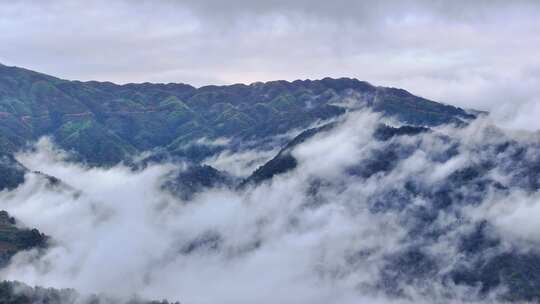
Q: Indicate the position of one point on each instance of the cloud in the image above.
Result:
(508, 212)
(324, 232)
(123, 235)
(241, 163)
(136, 239)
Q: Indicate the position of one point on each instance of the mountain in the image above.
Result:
(14, 239)
(19, 293)
(186, 182)
(11, 172)
(105, 123)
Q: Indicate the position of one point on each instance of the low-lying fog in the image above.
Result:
(116, 231)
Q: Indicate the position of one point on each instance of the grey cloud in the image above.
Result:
(479, 54)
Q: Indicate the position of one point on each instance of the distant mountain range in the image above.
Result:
(105, 123)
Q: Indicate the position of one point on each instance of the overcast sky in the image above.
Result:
(476, 54)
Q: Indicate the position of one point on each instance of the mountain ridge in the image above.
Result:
(127, 84)
(120, 120)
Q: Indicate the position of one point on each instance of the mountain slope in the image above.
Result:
(105, 123)
(19, 293)
(14, 239)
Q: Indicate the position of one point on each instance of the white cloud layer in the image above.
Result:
(280, 242)
(124, 236)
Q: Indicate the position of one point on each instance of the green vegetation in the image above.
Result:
(105, 123)
(11, 172)
(13, 239)
(19, 293)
